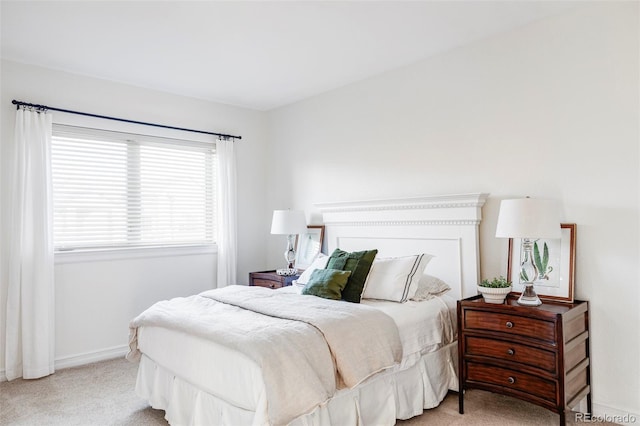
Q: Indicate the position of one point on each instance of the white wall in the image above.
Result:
(96, 300)
(548, 110)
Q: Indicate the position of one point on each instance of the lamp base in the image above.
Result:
(290, 253)
(529, 296)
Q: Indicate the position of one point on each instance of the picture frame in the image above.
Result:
(308, 245)
(557, 281)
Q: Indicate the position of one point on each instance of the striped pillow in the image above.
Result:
(395, 278)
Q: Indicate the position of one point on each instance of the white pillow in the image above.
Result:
(395, 278)
(320, 262)
(430, 286)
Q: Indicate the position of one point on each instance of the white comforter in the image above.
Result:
(294, 339)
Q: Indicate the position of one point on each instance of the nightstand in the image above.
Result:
(538, 354)
(270, 279)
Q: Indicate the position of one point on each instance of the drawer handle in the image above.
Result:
(272, 286)
(509, 324)
(511, 380)
(510, 351)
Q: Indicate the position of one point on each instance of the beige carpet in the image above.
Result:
(103, 394)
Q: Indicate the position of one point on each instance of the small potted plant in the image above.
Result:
(495, 290)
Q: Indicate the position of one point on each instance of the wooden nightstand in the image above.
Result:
(538, 354)
(270, 279)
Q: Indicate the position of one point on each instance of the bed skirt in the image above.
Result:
(380, 400)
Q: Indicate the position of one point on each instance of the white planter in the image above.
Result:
(494, 295)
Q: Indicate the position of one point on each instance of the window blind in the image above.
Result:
(113, 189)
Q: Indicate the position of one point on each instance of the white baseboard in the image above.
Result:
(83, 359)
(614, 415)
(90, 357)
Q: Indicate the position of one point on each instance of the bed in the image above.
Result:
(199, 378)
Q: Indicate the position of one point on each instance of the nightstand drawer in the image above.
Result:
(509, 351)
(512, 380)
(266, 283)
(270, 279)
(510, 324)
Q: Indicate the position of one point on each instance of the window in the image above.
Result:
(115, 190)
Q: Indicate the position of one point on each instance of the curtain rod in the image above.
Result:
(45, 107)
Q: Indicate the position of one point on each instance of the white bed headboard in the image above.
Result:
(446, 226)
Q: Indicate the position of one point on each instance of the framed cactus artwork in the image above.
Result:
(555, 262)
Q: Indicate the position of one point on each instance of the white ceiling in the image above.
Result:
(259, 55)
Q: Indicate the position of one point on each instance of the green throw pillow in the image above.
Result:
(327, 283)
(359, 263)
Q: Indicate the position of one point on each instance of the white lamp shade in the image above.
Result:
(288, 222)
(528, 218)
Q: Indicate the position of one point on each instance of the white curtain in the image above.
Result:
(227, 229)
(30, 287)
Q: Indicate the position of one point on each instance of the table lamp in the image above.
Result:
(529, 219)
(289, 223)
